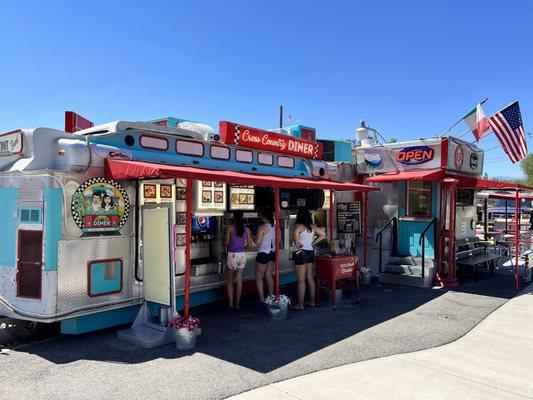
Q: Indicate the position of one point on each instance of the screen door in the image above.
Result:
(156, 255)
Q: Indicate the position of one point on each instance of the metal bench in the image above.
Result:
(471, 254)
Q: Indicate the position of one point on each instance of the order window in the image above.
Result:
(418, 199)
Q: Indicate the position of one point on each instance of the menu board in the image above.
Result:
(241, 197)
(210, 195)
(349, 217)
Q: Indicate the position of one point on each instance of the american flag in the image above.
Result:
(508, 127)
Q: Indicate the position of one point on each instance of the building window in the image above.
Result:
(265, 159)
(285, 162)
(190, 148)
(104, 277)
(244, 156)
(30, 216)
(220, 152)
(154, 142)
(418, 199)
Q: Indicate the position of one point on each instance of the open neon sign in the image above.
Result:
(415, 155)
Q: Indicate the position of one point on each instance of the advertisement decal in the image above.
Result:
(100, 205)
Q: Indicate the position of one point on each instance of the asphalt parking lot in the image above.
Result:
(241, 351)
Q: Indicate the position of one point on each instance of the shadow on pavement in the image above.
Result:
(248, 338)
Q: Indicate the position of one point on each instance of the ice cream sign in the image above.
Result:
(100, 205)
(259, 139)
(11, 143)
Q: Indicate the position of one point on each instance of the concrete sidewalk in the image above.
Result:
(493, 361)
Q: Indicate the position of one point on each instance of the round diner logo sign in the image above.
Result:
(100, 205)
(474, 161)
(459, 157)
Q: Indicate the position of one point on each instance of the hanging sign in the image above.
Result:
(349, 217)
(100, 205)
(259, 139)
(11, 143)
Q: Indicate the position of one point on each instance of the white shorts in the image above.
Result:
(236, 260)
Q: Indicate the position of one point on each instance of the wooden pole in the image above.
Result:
(277, 218)
(188, 213)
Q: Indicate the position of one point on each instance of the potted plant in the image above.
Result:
(185, 330)
(278, 306)
(366, 275)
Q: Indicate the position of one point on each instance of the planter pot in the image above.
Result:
(338, 296)
(366, 277)
(276, 312)
(185, 339)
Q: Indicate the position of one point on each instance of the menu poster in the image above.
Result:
(241, 197)
(210, 196)
(349, 217)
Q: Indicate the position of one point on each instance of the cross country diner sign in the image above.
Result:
(253, 138)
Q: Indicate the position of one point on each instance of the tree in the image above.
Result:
(527, 167)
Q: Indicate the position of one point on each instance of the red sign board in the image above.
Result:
(259, 139)
(75, 122)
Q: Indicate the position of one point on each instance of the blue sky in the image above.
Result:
(409, 68)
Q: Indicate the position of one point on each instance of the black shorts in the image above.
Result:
(265, 258)
(303, 257)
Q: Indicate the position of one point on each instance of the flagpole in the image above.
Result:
(457, 123)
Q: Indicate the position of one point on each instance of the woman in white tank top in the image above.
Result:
(305, 236)
(266, 256)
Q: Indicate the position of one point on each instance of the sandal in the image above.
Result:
(297, 308)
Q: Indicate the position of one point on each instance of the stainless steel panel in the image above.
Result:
(74, 256)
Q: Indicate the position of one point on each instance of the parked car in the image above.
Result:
(498, 208)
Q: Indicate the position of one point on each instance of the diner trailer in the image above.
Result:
(98, 222)
(423, 226)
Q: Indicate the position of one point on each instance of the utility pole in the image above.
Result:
(280, 117)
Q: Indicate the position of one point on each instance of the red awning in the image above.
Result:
(124, 169)
(438, 174)
(435, 174)
(472, 182)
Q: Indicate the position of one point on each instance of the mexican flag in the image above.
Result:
(477, 122)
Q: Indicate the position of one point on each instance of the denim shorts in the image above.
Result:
(303, 257)
(264, 258)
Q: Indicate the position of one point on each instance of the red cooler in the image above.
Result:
(336, 268)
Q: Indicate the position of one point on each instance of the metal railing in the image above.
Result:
(393, 223)
(422, 242)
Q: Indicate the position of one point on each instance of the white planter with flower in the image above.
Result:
(185, 331)
(278, 306)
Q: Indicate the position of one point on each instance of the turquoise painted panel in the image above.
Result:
(100, 283)
(53, 214)
(101, 320)
(8, 224)
(409, 231)
(343, 151)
